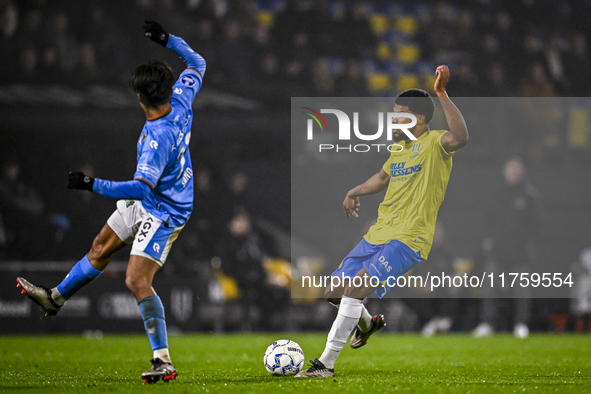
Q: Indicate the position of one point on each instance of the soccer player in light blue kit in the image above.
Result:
(154, 206)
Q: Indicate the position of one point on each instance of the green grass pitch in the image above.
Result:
(233, 364)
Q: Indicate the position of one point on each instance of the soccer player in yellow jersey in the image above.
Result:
(416, 178)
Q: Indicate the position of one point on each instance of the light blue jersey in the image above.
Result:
(163, 159)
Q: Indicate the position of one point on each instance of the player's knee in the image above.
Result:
(136, 283)
(332, 296)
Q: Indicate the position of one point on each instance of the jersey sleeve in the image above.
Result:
(445, 154)
(186, 87)
(190, 80)
(153, 157)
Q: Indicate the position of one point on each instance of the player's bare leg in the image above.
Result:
(139, 277)
(105, 244)
(350, 311)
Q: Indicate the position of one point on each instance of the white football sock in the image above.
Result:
(57, 297)
(365, 320)
(163, 355)
(347, 319)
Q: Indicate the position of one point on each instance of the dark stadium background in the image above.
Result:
(65, 104)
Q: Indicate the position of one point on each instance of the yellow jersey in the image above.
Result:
(419, 174)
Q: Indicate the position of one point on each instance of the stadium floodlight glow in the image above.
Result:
(345, 124)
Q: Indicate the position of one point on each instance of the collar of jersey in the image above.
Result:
(411, 142)
(160, 116)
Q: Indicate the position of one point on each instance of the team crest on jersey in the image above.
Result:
(188, 80)
(416, 148)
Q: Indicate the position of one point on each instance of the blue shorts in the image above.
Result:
(381, 261)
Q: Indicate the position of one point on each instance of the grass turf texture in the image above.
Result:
(234, 363)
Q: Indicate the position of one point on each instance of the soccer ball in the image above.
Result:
(283, 358)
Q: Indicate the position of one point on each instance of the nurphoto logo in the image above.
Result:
(344, 130)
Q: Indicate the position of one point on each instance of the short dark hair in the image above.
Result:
(154, 82)
(418, 101)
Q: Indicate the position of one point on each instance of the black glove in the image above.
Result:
(155, 32)
(77, 180)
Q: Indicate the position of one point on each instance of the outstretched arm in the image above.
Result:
(458, 132)
(134, 189)
(373, 185)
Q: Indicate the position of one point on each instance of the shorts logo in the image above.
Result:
(129, 203)
(144, 230)
(153, 144)
(386, 265)
(156, 248)
(188, 80)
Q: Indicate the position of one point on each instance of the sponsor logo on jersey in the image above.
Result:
(400, 169)
(188, 80)
(178, 90)
(153, 144)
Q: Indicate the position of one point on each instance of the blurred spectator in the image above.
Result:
(207, 46)
(87, 71)
(22, 212)
(208, 218)
(444, 308)
(554, 62)
(356, 38)
(49, 65)
(234, 45)
(353, 83)
(323, 77)
(28, 65)
(8, 19)
(536, 83)
(466, 82)
(494, 83)
(294, 18)
(512, 221)
(243, 12)
(86, 213)
(241, 253)
(577, 62)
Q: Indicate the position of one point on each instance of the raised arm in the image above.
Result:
(458, 132)
(193, 60)
(373, 185)
(155, 32)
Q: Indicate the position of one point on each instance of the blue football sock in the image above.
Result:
(153, 315)
(81, 274)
